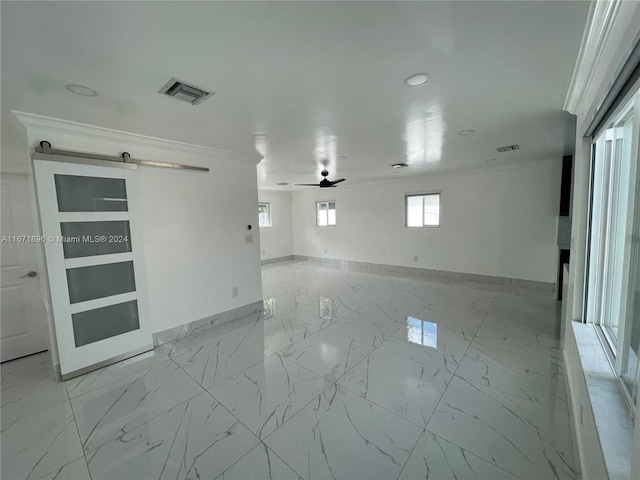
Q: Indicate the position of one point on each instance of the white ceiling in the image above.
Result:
(321, 79)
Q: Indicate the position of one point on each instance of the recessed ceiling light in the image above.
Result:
(399, 165)
(81, 90)
(417, 79)
(283, 183)
(260, 136)
(466, 132)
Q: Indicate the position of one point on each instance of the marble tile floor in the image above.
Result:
(345, 375)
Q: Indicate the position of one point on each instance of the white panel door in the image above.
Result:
(23, 326)
(95, 263)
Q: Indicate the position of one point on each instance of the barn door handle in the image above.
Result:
(30, 274)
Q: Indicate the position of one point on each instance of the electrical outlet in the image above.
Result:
(235, 291)
(248, 238)
(415, 258)
(325, 250)
(264, 252)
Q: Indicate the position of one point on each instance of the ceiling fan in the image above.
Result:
(324, 183)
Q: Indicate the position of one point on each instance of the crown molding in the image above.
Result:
(42, 124)
(15, 168)
(600, 22)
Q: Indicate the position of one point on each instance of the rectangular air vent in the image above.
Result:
(399, 165)
(508, 148)
(187, 93)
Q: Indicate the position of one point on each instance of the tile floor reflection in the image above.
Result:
(422, 332)
(345, 375)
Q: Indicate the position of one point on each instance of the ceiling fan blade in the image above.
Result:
(337, 181)
(306, 184)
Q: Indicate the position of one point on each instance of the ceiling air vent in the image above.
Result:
(187, 93)
(399, 165)
(508, 148)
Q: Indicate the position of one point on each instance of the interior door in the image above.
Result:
(23, 327)
(94, 262)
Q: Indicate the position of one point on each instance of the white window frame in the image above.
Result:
(268, 215)
(422, 194)
(600, 306)
(317, 211)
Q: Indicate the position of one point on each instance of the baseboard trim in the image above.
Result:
(105, 363)
(57, 372)
(278, 259)
(385, 269)
(176, 333)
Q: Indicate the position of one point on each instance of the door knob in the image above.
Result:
(30, 274)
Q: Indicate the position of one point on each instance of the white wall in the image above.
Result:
(276, 241)
(194, 227)
(499, 222)
(193, 223)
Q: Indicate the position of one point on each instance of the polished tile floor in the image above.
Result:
(345, 375)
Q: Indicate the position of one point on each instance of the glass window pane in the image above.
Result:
(264, 215)
(90, 194)
(84, 239)
(630, 372)
(332, 214)
(89, 283)
(432, 209)
(322, 214)
(630, 367)
(414, 211)
(600, 194)
(106, 322)
(616, 236)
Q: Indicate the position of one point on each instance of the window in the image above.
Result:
(326, 213)
(613, 292)
(423, 210)
(264, 215)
